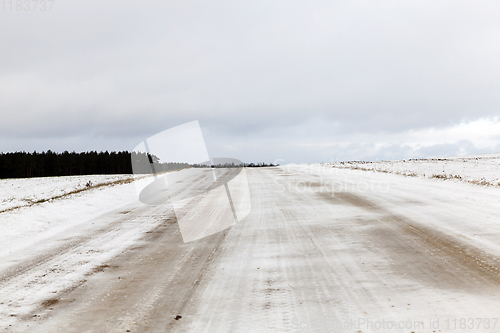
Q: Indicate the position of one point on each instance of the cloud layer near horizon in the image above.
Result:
(293, 80)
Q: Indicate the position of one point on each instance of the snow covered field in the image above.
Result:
(477, 169)
(36, 207)
(41, 213)
(25, 192)
(324, 249)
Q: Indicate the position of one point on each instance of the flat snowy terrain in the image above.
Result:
(478, 169)
(325, 248)
(25, 192)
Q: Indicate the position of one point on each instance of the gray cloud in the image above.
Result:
(268, 74)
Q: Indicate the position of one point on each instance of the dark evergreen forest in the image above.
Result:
(48, 164)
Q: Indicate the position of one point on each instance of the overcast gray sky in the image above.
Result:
(300, 81)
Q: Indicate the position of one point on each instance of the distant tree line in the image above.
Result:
(49, 164)
(234, 165)
(259, 165)
(144, 163)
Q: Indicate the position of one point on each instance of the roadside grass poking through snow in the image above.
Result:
(476, 170)
(87, 187)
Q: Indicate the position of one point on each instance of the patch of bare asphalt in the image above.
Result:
(343, 198)
(424, 254)
(70, 244)
(443, 260)
(144, 289)
(66, 245)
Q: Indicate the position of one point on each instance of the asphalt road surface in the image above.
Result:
(318, 252)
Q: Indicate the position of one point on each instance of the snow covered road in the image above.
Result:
(322, 250)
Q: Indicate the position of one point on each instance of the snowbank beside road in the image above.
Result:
(36, 208)
(50, 246)
(27, 191)
(478, 169)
